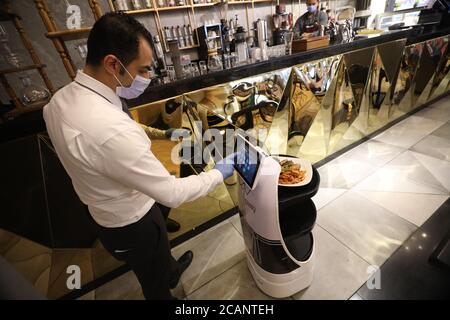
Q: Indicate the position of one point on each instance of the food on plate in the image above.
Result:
(291, 173)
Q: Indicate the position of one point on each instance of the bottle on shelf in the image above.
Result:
(161, 3)
(167, 34)
(136, 4)
(191, 36)
(148, 4)
(181, 42)
(11, 57)
(121, 5)
(159, 52)
(173, 35)
(32, 95)
(187, 39)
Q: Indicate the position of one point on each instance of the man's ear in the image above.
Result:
(111, 65)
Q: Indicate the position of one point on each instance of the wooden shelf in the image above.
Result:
(174, 8)
(140, 11)
(240, 2)
(190, 47)
(24, 68)
(256, 1)
(68, 34)
(200, 5)
(184, 48)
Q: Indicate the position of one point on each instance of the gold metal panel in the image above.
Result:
(315, 146)
(442, 77)
(402, 100)
(357, 66)
(391, 54)
(432, 56)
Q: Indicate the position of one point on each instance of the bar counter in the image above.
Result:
(160, 92)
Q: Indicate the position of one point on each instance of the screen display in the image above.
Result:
(247, 162)
(409, 4)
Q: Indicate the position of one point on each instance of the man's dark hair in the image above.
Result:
(118, 34)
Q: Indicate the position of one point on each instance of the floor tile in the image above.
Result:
(235, 283)
(236, 222)
(412, 273)
(403, 174)
(368, 229)
(88, 296)
(414, 207)
(443, 131)
(356, 297)
(124, 287)
(215, 250)
(344, 173)
(434, 146)
(373, 152)
(325, 196)
(435, 112)
(338, 271)
(408, 132)
(439, 169)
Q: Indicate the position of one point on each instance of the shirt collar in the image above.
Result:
(98, 87)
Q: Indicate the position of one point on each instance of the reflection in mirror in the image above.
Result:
(358, 64)
(391, 55)
(315, 145)
(402, 100)
(379, 93)
(442, 77)
(345, 109)
(431, 57)
(304, 107)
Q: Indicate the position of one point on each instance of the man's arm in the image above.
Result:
(127, 159)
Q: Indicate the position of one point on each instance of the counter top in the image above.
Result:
(180, 87)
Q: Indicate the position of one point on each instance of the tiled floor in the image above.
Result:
(371, 200)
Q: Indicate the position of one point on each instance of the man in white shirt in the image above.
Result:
(108, 156)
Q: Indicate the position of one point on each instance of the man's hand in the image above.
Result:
(226, 166)
(177, 133)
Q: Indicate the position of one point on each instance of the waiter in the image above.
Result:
(107, 155)
(309, 23)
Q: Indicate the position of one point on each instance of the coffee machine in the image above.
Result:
(282, 23)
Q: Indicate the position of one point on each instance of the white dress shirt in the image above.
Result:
(107, 155)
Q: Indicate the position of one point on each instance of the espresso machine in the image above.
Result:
(282, 23)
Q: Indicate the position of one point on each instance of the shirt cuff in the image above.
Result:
(217, 175)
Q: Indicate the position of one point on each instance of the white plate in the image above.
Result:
(304, 165)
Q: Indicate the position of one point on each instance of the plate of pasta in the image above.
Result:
(295, 172)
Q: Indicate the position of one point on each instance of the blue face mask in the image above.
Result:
(312, 8)
(136, 88)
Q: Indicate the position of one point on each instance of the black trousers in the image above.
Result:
(144, 246)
